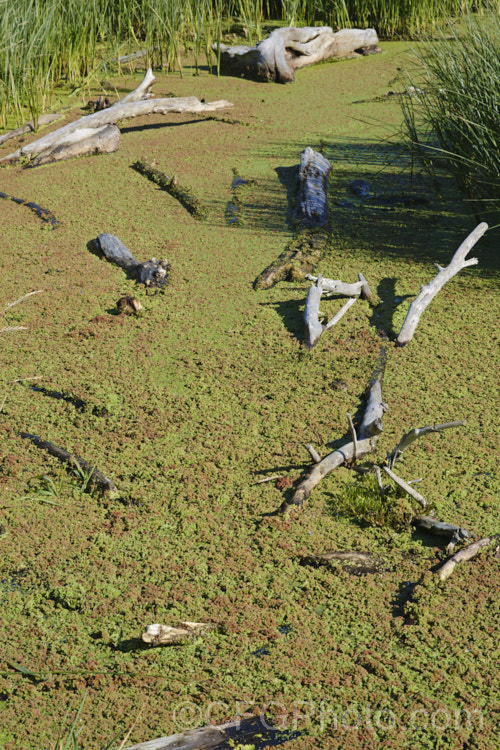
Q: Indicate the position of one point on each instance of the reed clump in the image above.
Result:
(452, 117)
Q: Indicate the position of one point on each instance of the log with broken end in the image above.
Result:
(465, 554)
(343, 289)
(311, 206)
(366, 443)
(427, 293)
(162, 635)
(135, 104)
(153, 274)
(314, 328)
(97, 477)
(279, 55)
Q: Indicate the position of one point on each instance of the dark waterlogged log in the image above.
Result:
(171, 185)
(138, 102)
(97, 477)
(153, 273)
(43, 213)
(221, 737)
(278, 56)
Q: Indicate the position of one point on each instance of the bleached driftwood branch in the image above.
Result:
(366, 443)
(279, 55)
(29, 127)
(410, 437)
(82, 131)
(406, 487)
(152, 274)
(465, 554)
(162, 635)
(314, 328)
(427, 293)
(342, 289)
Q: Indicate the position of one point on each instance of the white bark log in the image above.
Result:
(427, 293)
(314, 328)
(371, 424)
(85, 142)
(276, 57)
(311, 209)
(125, 108)
(29, 127)
(335, 286)
(468, 553)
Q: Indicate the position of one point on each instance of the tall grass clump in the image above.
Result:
(453, 121)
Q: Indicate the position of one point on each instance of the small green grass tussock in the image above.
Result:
(362, 502)
(452, 121)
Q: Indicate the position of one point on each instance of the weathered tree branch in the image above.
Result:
(314, 328)
(311, 207)
(427, 293)
(465, 554)
(406, 487)
(410, 437)
(366, 443)
(29, 127)
(135, 104)
(153, 273)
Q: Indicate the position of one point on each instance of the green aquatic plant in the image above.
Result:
(362, 501)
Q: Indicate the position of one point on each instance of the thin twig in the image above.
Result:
(354, 437)
(314, 453)
(267, 479)
(376, 469)
(406, 487)
(25, 296)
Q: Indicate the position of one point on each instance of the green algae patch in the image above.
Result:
(188, 406)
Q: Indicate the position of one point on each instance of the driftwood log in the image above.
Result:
(309, 215)
(410, 437)
(366, 442)
(278, 56)
(465, 554)
(427, 293)
(98, 131)
(162, 635)
(313, 326)
(97, 477)
(153, 274)
(29, 127)
(185, 197)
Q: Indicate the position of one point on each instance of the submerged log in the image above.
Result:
(135, 104)
(153, 273)
(97, 477)
(427, 293)
(190, 202)
(278, 56)
(299, 258)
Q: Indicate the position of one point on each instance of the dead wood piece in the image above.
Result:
(311, 208)
(366, 443)
(278, 56)
(162, 635)
(314, 328)
(153, 274)
(406, 487)
(135, 104)
(410, 437)
(231, 734)
(465, 554)
(190, 202)
(97, 105)
(43, 213)
(300, 257)
(448, 530)
(352, 562)
(29, 127)
(371, 424)
(313, 453)
(97, 477)
(128, 305)
(427, 293)
(83, 142)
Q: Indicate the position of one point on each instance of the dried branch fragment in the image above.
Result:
(335, 286)
(29, 127)
(161, 635)
(311, 208)
(410, 437)
(465, 554)
(449, 530)
(353, 562)
(406, 487)
(190, 202)
(97, 476)
(135, 104)
(300, 257)
(366, 443)
(427, 293)
(314, 328)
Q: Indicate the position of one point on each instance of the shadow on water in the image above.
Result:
(291, 312)
(382, 316)
(405, 216)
